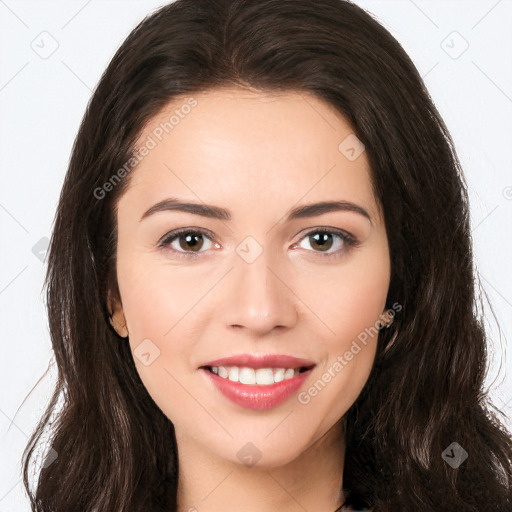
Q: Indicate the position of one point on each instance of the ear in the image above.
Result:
(117, 318)
(386, 318)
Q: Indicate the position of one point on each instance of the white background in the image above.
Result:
(42, 101)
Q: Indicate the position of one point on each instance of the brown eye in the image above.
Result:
(191, 241)
(322, 241)
(186, 242)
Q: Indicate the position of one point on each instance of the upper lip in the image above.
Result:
(262, 361)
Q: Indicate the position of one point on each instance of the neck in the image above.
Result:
(311, 481)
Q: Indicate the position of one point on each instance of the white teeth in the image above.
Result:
(279, 375)
(233, 374)
(261, 376)
(264, 376)
(247, 376)
(288, 374)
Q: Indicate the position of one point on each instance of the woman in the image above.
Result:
(321, 353)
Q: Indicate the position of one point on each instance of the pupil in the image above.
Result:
(322, 240)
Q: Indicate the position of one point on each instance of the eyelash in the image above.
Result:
(166, 241)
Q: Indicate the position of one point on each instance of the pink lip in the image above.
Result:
(262, 361)
(257, 396)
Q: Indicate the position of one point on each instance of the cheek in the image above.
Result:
(349, 297)
(157, 299)
(159, 310)
(348, 304)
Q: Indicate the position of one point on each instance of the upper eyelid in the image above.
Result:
(173, 234)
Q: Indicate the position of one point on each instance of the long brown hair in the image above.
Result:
(113, 448)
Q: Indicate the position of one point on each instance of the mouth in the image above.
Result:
(256, 388)
(247, 375)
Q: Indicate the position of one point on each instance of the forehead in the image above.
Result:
(234, 143)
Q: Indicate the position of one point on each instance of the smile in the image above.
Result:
(260, 376)
(259, 389)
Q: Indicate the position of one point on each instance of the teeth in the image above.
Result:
(261, 376)
(247, 376)
(279, 374)
(264, 376)
(288, 374)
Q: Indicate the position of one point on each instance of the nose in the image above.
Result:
(257, 298)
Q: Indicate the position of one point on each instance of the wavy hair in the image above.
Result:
(113, 448)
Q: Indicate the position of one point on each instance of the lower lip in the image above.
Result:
(257, 396)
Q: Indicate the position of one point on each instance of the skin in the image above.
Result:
(258, 155)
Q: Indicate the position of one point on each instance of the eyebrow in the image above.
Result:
(216, 212)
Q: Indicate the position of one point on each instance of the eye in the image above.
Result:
(322, 240)
(187, 241)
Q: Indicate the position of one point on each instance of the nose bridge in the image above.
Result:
(258, 299)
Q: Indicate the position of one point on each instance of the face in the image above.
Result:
(259, 279)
